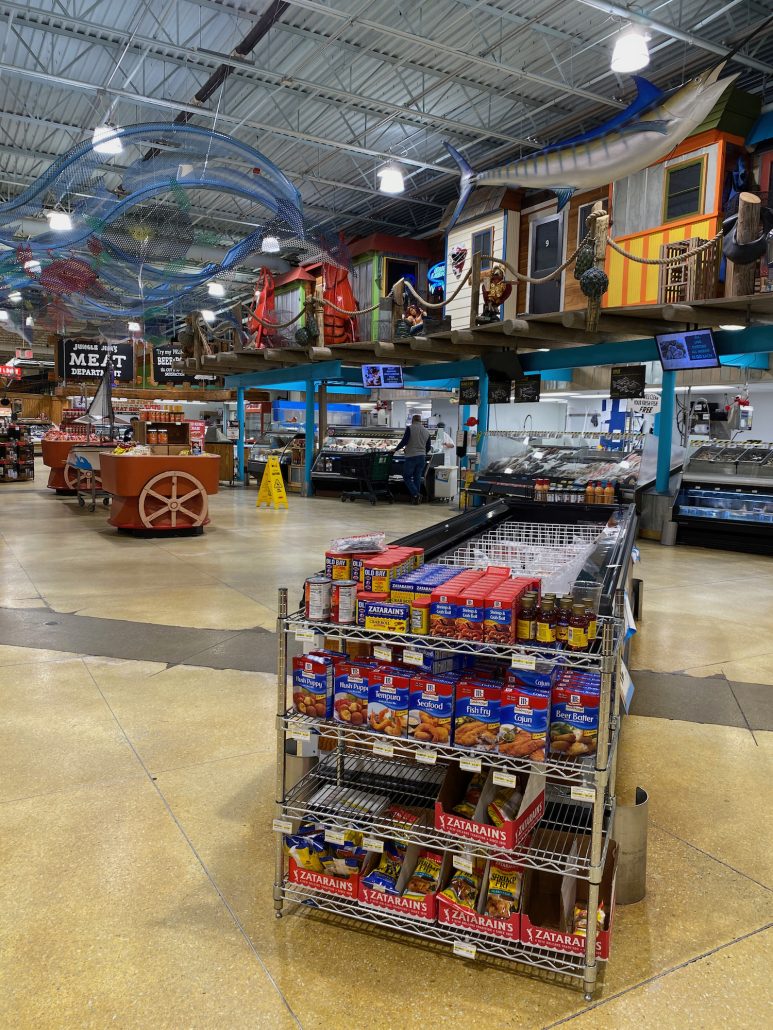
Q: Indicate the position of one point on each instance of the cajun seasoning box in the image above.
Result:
(524, 714)
(389, 694)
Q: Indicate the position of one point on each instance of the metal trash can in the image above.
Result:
(668, 534)
(630, 832)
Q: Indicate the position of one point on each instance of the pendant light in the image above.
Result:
(390, 179)
(59, 221)
(105, 140)
(631, 52)
(216, 289)
(270, 245)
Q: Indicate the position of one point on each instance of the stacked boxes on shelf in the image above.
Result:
(17, 453)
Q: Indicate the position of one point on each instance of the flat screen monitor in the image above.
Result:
(694, 349)
(388, 377)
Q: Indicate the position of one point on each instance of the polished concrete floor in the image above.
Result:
(137, 780)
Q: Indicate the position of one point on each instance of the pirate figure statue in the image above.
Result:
(495, 293)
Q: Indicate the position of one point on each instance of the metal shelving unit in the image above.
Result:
(580, 794)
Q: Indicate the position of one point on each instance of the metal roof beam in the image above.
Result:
(114, 39)
(640, 17)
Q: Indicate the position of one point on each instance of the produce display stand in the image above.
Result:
(580, 797)
(160, 492)
(61, 477)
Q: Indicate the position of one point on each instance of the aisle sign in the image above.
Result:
(627, 382)
(526, 390)
(646, 405)
(272, 487)
(86, 359)
(10, 371)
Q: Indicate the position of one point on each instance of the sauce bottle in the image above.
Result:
(562, 625)
(578, 629)
(609, 494)
(546, 622)
(598, 494)
(590, 494)
(526, 623)
(591, 624)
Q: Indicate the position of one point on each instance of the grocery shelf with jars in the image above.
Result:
(17, 454)
(447, 741)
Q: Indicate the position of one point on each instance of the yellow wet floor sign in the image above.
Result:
(272, 488)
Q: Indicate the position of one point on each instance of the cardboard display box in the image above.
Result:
(340, 886)
(506, 928)
(513, 832)
(414, 908)
(549, 899)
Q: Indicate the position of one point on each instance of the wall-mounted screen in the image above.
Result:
(694, 349)
(387, 377)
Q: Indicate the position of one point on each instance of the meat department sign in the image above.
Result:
(86, 359)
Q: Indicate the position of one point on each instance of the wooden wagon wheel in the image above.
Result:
(71, 478)
(161, 496)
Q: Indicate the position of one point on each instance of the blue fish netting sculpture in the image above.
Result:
(135, 236)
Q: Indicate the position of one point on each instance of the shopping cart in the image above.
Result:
(371, 471)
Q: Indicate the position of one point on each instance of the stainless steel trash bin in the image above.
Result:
(630, 832)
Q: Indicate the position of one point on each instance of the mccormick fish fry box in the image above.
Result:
(340, 886)
(410, 898)
(554, 912)
(496, 912)
(491, 814)
(476, 713)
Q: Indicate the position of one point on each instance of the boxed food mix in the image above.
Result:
(420, 582)
(476, 713)
(363, 596)
(501, 609)
(445, 600)
(388, 701)
(388, 616)
(471, 610)
(404, 879)
(524, 713)
(431, 711)
(479, 807)
(485, 898)
(322, 866)
(313, 679)
(554, 913)
(574, 713)
(350, 694)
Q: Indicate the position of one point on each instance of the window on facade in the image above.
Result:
(684, 190)
(483, 243)
(582, 217)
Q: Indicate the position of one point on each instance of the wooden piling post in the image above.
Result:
(739, 279)
(475, 288)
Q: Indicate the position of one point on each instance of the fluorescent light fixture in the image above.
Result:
(59, 221)
(631, 52)
(105, 141)
(270, 245)
(732, 328)
(542, 350)
(208, 316)
(134, 327)
(30, 321)
(216, 289)
(390, 179)
(32, 265)
(3, 316)
(14, 297)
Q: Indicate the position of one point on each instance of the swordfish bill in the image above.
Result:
(645, 132)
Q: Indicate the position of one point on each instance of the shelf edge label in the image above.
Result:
(523, 661)
(504, 779)
(372, 844)
(384, 654)
(335, 836)
(282, 826)
(583, 794)
(426, 757)
(470, 764)
(384, 748)
(465, 949)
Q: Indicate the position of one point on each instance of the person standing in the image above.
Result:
(416, 441)
(445, 445)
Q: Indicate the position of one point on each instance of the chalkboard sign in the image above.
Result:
(499, 391)
(526, 390)
(86, 359)
(469, 391)
(627, 382)
(165, 364)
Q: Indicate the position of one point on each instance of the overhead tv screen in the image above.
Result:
(388, 377)
(694, 349)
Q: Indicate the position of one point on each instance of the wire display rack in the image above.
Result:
(353, 786)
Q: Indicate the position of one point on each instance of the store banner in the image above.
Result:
(526, 390)
(469, 391)
(86, 359)
(627, 382)
(165, 359)
(499, 391)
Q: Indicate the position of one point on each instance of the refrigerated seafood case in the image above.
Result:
(592, 544)
(726, 498)
(273, 444)
(331, 470)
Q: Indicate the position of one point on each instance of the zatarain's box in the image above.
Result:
(388, 616)
(388, 701)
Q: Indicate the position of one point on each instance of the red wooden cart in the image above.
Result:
(160, 491)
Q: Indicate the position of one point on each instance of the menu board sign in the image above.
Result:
(166, 357)
(469, 391)
(86, 359)
(627, 382)
(499, 391)
(526, 390)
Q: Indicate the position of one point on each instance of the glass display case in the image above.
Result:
(273, 444)
(329, 470)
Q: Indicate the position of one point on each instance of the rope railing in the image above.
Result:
(678, 259)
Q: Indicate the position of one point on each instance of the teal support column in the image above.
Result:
(665, 431)
(483, 415)
(242, 433)
(308, 489)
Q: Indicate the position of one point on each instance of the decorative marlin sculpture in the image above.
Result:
(646, 131)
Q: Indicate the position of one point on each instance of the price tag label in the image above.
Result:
(426, 757)
(583, 794)
(470, 764)
(335, 836)
(282, 826)
(523, 661)
(384, 654)
(371, 844)
(299, 733)
(463, 862)
(306, 633)
(384, 748)
(504, 779)
(463, 949)
(413, 658)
